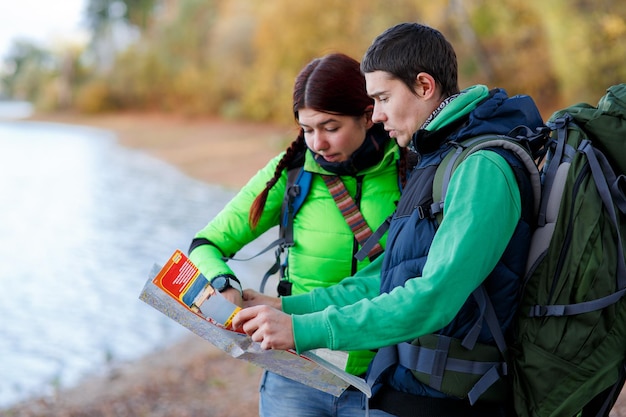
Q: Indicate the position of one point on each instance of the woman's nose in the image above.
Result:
(319, 141)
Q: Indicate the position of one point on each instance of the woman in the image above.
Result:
(337, 140)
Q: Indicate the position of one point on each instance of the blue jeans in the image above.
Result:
(283, 397)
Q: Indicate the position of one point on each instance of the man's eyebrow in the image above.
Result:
(376, 94)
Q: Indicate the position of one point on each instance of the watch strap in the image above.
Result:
(231, 282)
(237, 284)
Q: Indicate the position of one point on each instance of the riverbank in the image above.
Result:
(212, 150)
(192, 377)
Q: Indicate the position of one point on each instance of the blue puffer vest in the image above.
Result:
(412, 230)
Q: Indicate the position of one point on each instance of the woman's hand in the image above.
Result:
(254, 298)
(234, 296)
(268, 326)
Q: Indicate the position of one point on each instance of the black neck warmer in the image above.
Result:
(367, 155)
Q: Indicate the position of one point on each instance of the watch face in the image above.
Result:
(219, 283)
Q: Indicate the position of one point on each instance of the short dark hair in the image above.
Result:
(331, 84)
(407, 49)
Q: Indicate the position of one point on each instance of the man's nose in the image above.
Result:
(378, 115)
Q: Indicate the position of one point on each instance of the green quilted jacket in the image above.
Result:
(324, 248)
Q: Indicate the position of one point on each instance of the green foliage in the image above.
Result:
(30, 67)
(239, 58)
(101, 14)
(183, 39)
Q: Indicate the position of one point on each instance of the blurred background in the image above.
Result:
(238, 58)
(83, 219)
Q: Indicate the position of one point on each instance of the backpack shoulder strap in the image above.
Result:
(462, 150)
(296, 190)
(298, 186)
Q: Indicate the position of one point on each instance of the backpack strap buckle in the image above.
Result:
(538, 311)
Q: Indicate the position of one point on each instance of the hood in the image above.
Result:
(497, 113)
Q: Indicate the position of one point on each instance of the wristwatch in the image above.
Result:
(223, 282)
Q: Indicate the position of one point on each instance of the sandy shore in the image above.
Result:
(192, 378)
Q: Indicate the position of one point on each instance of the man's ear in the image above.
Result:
(425, 86)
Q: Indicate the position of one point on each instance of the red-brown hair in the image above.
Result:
(330, 84)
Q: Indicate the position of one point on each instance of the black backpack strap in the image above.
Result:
(288, 211)
(560, 152)
(273, 269)
(437, 360)
(373, 240)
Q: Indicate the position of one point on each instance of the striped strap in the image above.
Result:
(351, 213)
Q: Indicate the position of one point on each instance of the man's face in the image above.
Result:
(400, 110)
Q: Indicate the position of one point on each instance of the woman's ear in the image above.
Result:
(425, 86)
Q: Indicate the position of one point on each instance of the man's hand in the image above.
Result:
(266, 325)
(254, 298)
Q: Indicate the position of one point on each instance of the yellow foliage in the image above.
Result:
(191, 93)
(239, 58)
(614, 26)
(93, 97)
(289, 34)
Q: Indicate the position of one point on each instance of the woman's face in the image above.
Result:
(334, 137)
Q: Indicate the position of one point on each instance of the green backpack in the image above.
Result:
(567, 356)
(569, 351)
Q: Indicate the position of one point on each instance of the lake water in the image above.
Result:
(82, 221)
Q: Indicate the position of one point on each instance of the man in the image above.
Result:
(425, 294)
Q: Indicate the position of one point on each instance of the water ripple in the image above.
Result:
(82, 222)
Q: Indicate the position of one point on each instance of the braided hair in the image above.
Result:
(295, 148)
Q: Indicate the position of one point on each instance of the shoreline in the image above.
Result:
(213, 150)
(190, 376)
